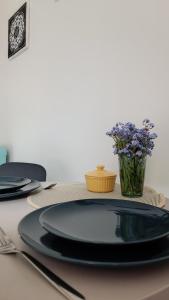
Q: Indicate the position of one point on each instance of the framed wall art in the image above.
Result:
(18, 31)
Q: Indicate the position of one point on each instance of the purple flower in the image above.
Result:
(123, 151)
(132, 141)
(147, 124)
(153, 135)
(139, 153)
(146, 121)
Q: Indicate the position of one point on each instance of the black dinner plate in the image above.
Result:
(106, 221)
(25, 190)
(48, 244)
(11, 183)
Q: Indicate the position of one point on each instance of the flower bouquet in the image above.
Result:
(132, 146)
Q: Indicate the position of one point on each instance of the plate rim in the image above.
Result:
(20, 192)
(14, 188)
(99, 264)
(58, 233)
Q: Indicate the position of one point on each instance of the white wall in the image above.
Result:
(90, 64)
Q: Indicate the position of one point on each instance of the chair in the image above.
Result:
(30, 170)
(3, 155)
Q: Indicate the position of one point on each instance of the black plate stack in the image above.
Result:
(99, 232)
(14, 187)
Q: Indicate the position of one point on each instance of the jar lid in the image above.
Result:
(100, 172)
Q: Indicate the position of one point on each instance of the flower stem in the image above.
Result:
(132, 171)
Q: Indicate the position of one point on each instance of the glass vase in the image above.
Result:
(132, 171)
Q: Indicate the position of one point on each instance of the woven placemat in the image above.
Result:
(76, 191)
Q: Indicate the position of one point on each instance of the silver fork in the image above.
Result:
(7, 246)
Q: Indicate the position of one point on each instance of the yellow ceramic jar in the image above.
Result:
(100, 180)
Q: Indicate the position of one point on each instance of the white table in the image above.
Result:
(18, 280)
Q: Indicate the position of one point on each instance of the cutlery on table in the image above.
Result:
(7, 246)
(49, 186)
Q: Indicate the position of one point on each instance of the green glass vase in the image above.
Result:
(132, 171)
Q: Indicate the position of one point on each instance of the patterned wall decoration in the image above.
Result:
(18, 31)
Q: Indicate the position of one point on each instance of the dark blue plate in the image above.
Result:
(10, 183)
(106, 221)
(48, 244)
(25, 190)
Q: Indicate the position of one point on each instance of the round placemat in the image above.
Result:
(75, 191)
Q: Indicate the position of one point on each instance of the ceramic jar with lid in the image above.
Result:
(100, 180)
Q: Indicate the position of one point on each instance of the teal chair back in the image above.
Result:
(3, 155)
